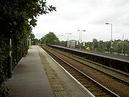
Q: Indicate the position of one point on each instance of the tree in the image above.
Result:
(17, 17)
(50, 38)
(101, 46)
(34, 40)
(121, 46)
(95, 43)
(63, 43)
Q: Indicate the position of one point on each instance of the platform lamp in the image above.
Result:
(80, 37)
(111, 36)
(68, 34)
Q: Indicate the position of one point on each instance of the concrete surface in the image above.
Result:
(71, 86)
(38, 75)
(29, 78)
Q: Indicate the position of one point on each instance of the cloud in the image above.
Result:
(119, 3)
(90, 15)
(111, 13)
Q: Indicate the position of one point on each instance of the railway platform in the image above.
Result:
(38, 75)
(29, 79)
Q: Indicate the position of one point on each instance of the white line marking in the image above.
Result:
(91, 95)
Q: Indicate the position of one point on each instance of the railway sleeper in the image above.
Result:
(82, 80)
(94, 90)
(100, 94)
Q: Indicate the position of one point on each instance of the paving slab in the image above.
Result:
(29, 78)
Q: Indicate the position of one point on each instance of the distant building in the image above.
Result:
(84, 43)
(71, 43)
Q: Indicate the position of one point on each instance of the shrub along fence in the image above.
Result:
(11, 51)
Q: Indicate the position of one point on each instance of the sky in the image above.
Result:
(74, 16)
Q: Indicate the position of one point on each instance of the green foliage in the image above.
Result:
(4, 91)
(89, 44)
(63, 43)
(2, 77)
(17, 17)
(16, 21)
(121, 46)
(95, 43)
(101, 46)
(50, 38)
(32, 36)
(107, 46)
(118, 46)
(34, 41)
(3, 66)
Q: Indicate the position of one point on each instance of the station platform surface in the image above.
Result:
(116, 56)
(38, 75)
(29, 79)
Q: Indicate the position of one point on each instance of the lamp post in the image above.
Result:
(80, 37)
(111, 36)
(122, 50)
(68, 38)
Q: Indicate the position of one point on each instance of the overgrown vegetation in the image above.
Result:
(118, 46)
(17, 17)
(50, 38)
(34, 41)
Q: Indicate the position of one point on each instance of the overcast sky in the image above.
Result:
(89, 15)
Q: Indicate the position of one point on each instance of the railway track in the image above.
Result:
(113, 62)
(116, 74)
(93, 86)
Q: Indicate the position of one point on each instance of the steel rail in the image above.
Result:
(100, 85)
(112, 69)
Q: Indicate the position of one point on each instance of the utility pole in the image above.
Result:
(122, 50)
(68, 38)
(111, 37)
(80, 37)
(10, 58)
